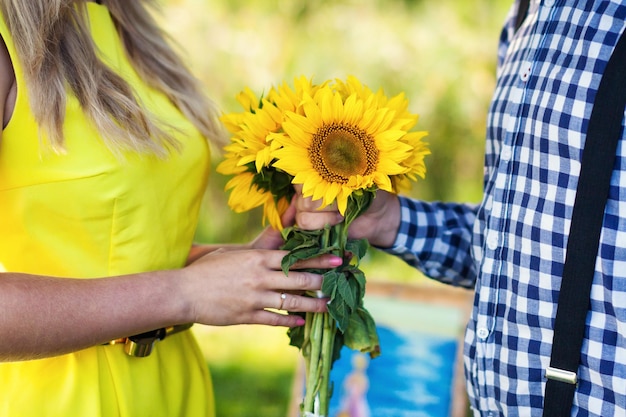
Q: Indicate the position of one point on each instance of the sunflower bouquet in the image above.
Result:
(341, 142)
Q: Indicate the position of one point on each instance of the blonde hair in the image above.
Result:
(53, 43)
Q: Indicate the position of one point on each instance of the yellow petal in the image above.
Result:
(300, 122)
(248, 100)
(383, 182)
(291, 160)
(326, 103)
(390, 167)
(312, 112)
(342, 202)
(337, 108)
(353, 110)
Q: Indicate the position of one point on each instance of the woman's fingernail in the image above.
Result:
(300, 321)
(336, 261)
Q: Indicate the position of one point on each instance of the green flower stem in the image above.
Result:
(328, 339)
(306, 345)
(314, 368)
(319, 338)
(325, 238)
(330, 328)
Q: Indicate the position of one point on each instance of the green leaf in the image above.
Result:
(338, 235)
(340, 311)
(358, 248)
(296, 236)
(346, 291)
(302, 253)
(271, 179)
(358, 202)
(329, 284)
(304, 244)
(361, 333)
(295, 256)
(296, 336)
(295, 244)
(357, 276)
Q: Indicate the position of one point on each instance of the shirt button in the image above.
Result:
(525, 72)
(492, 240)
(549, 3)
(482, 333)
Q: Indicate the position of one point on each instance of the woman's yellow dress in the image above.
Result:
(87, 214)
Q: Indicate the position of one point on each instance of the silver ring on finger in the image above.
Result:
(283, 297)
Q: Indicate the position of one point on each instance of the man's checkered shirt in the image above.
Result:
(511, 247)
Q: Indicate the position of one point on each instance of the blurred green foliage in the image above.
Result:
(441, 54)
(252, 368)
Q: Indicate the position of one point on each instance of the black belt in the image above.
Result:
(140, 345)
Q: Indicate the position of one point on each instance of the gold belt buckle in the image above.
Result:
(141, 345)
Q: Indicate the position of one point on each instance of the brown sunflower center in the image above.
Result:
(341, 151)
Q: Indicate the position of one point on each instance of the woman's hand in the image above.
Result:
(269, 238)
(239, 286)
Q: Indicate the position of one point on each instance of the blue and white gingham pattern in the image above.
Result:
(513, 245)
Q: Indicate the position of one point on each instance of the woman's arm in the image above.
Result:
(45, 316)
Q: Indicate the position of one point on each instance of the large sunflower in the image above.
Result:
(348, 139)
(248, 157)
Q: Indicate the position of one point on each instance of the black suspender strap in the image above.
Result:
(603, 133)
(522, 11)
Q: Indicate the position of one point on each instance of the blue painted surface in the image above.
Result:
(412, 378)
